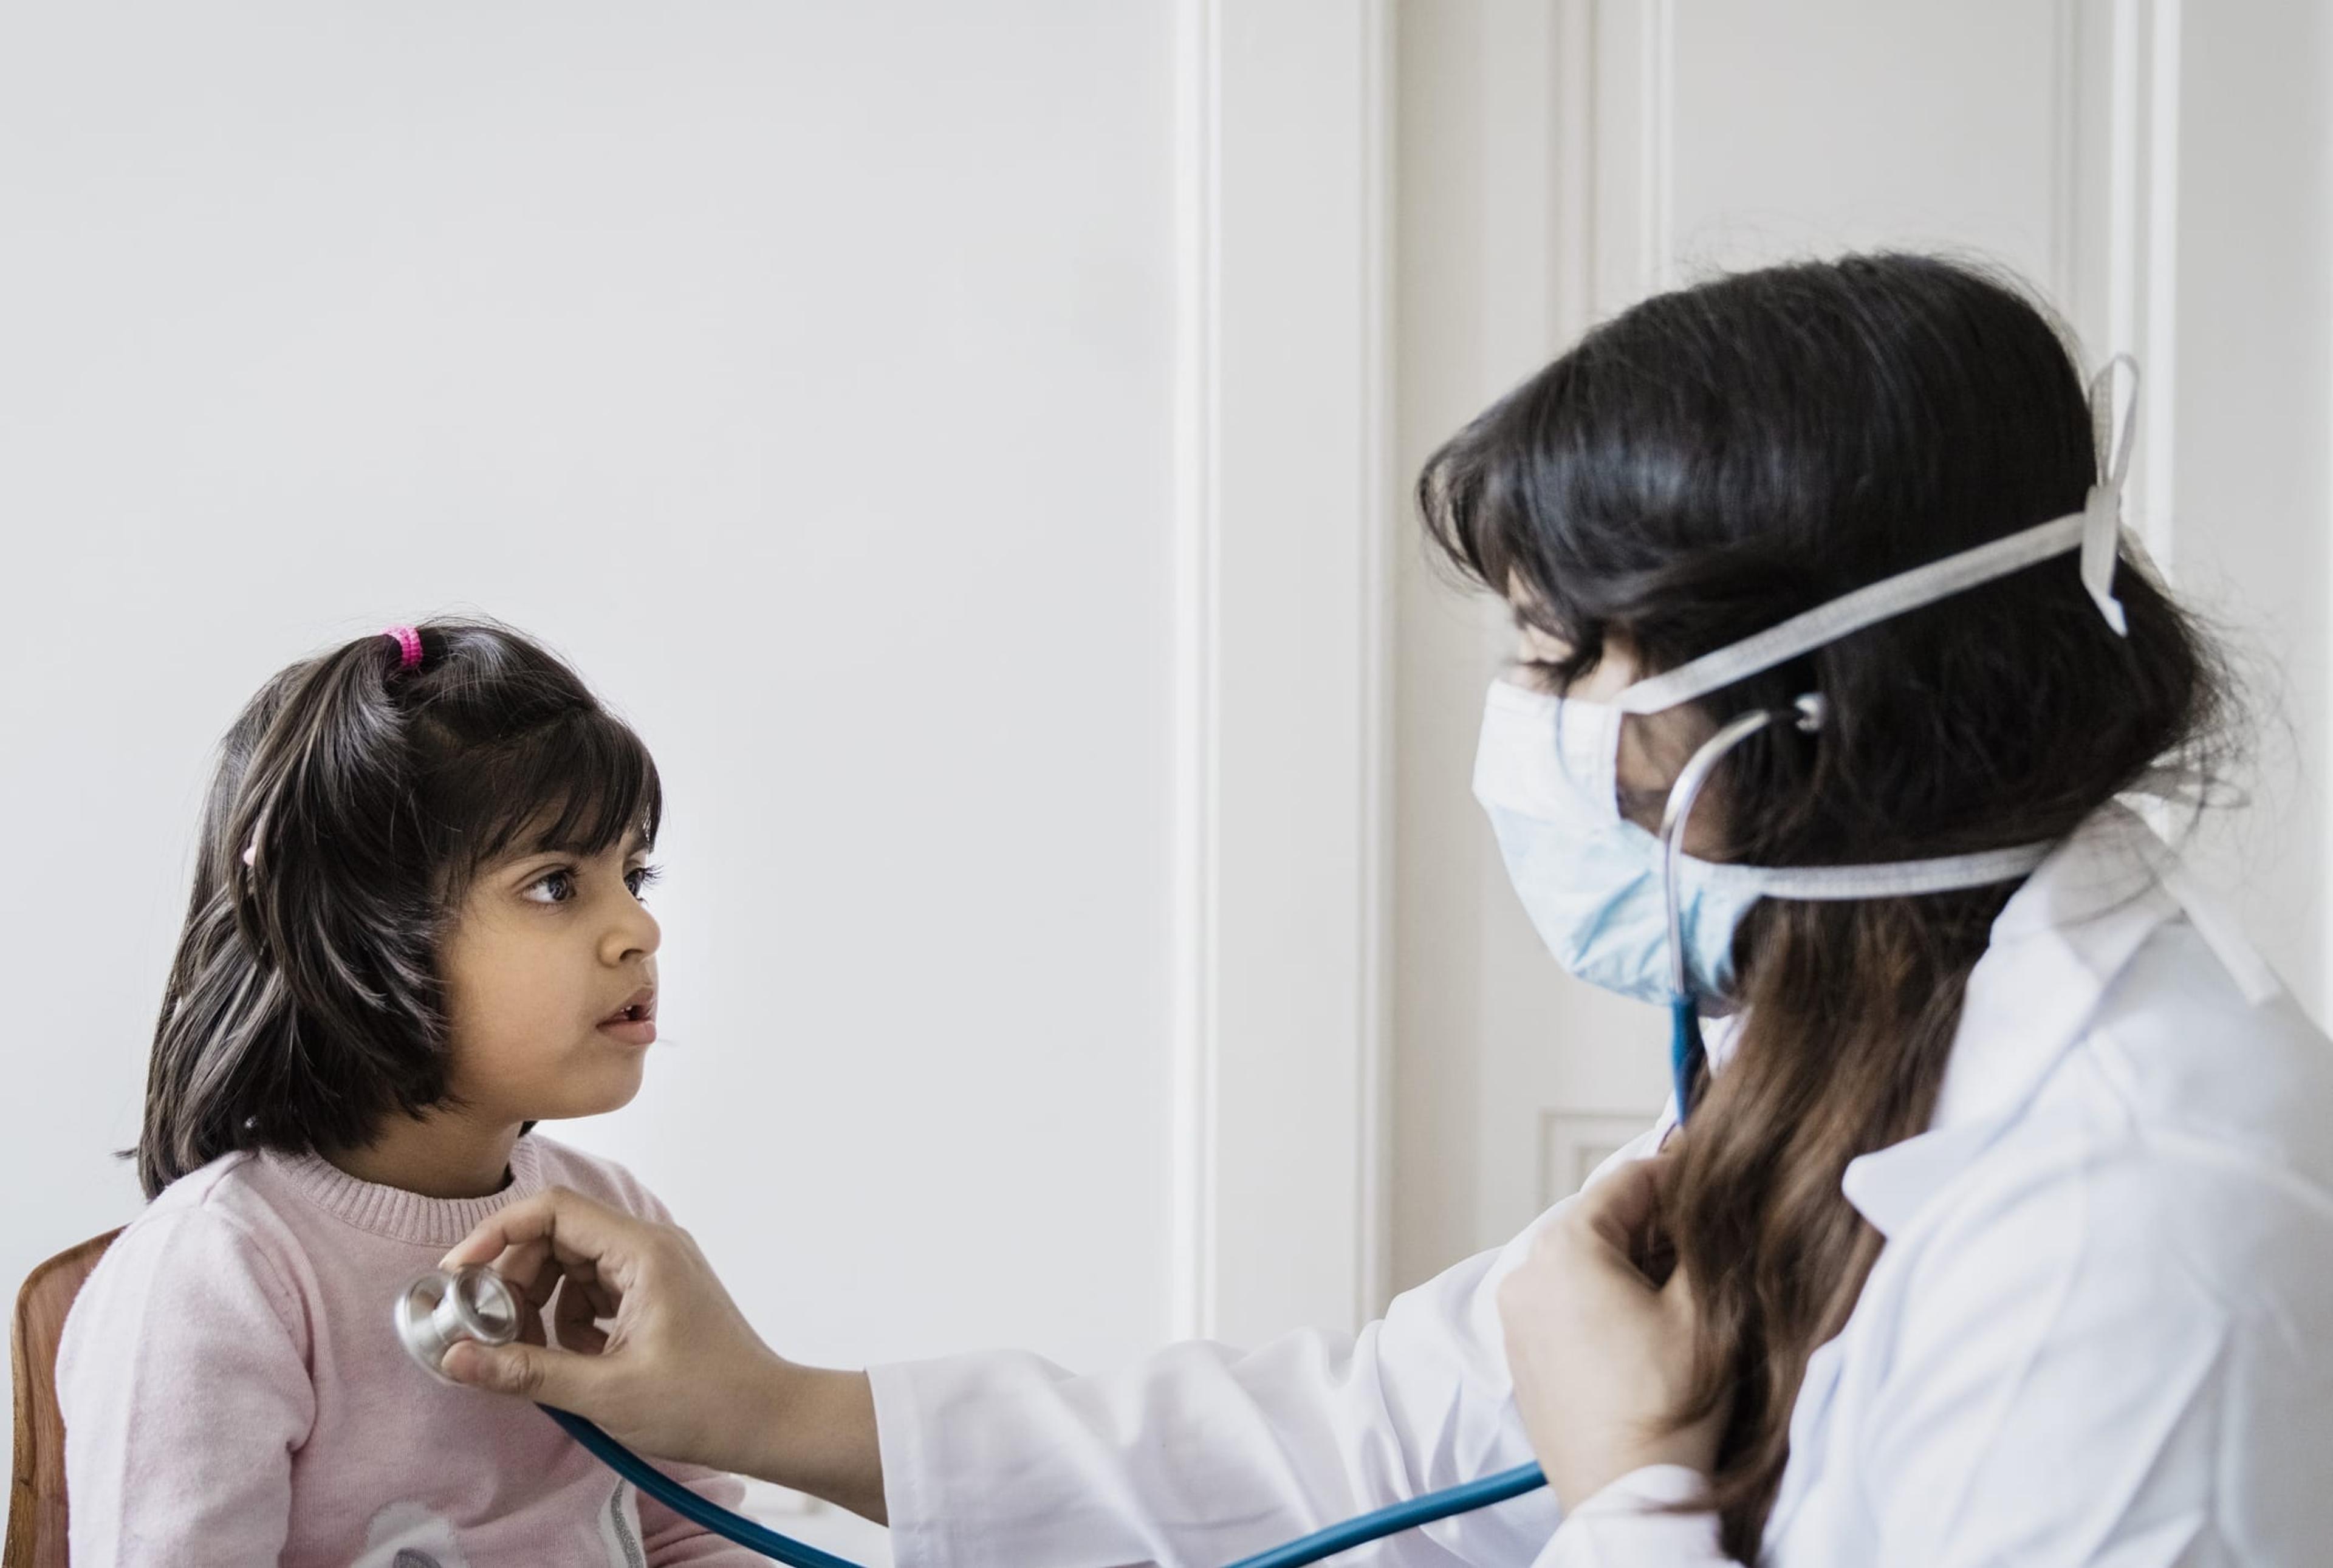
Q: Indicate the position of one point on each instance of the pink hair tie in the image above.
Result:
(409, 646)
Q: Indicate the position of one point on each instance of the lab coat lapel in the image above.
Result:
(2058, 943)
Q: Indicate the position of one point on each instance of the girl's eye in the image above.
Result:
(641, 879)
(550, 888)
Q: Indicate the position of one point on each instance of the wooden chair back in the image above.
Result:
(37, 1494)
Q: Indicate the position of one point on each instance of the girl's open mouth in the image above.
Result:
(634, 1023)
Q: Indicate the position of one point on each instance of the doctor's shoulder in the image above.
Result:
(2186, 1069)
(2158, 1216)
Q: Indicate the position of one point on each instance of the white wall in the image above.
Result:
(2161, 171)
(971, 442)
(888, 408)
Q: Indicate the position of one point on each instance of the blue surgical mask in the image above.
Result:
(1591, 879)
(1599, 889)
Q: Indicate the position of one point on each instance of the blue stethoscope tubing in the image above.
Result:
(654, 1483)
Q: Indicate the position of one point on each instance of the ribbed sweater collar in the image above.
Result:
(399, 1214)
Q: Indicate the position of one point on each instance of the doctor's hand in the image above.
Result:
(681, 1374)
(1599, 1332)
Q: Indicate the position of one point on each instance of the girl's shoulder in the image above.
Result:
(595, 1176)
(211, 1244)
(230, 1203)
(233, 1198)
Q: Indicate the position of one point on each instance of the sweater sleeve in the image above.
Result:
(183, 1376)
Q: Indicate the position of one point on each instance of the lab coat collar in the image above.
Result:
(2056, 945)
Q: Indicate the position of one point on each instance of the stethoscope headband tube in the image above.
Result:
(1684, 1014)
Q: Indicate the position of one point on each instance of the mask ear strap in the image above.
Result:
(2102, 511)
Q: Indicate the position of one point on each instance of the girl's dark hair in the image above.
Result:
(1717, 459)
(305, 1002)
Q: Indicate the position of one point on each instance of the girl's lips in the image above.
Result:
(634, 1023)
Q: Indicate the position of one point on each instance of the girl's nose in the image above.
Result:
(634, 934)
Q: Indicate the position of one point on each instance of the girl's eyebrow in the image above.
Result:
(631, 845)
(523, 861)
(537, 857)
(635, 841)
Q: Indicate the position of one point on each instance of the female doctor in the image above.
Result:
(1999, 1226)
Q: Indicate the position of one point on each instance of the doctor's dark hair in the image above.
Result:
(305, 1004)
(1719, 458)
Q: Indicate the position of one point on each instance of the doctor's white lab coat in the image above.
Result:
(2100, 1333)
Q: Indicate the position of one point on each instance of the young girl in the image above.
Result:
(416, 930)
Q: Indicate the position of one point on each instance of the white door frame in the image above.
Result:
(1284, 510)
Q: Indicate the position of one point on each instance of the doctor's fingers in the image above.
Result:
(552, 1377)
(576, 1313)
(535, 1273)
(1623, 1211)
(562, 1233)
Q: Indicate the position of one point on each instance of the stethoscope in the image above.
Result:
(1686, 1049)
(442, 1309)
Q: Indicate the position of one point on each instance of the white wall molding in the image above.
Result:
(1656, 112)
(2142, 229)
(1572, 120)
(2240, 137)
(2065, 151)
(1379, 524)
(1198, 511)
(1284, 509)
(1615, 156)
(2164, 64)
(2119, 214)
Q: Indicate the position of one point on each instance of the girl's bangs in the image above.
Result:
(579, 785)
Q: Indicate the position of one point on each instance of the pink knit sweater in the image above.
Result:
(234, 1392)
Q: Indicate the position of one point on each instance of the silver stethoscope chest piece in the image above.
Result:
(440, 1310)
